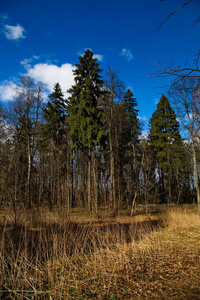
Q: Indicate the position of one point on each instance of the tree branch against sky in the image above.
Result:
(172, 13)
(43, 51)
(169, 69)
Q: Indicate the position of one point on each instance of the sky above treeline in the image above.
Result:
(43, 39)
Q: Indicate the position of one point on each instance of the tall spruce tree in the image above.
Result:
(166, 141)
(131, 132)
(54, 114)
(53, 134)
(86, 119)
(130, 105)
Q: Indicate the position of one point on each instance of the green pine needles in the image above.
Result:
(86, 118)
(54, 114)
(167, 146)
(164, 128)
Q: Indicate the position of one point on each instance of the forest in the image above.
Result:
(93, 204)
(86, 151)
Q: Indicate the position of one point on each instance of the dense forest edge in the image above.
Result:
(91, 208)
(88, 152)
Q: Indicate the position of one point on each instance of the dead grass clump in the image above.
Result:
(182, 217)
(94, 261)
(164, 265)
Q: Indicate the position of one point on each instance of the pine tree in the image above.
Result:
(132, 115)
(86, 119)
(54, 114)
(53, 143)
(131, 132)
(166, 141)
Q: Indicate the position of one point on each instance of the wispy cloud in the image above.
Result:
(98, 56)
(127, 54)
(7, 90)
(143, 118)
(3, 16)
(27, 61)
(14, 32)
(11, 32)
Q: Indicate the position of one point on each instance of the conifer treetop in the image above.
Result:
(86, 118)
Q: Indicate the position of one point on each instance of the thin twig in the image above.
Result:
(170, 71)
(174, 12)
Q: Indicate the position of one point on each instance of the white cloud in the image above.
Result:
(46, 73)
(7, 91)
(144, 134)
(127, 54)
(98, 56)
(50, 74)
(14, 32)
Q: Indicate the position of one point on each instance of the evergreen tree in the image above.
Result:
(131, 132)
(54, 114)
(86, 119)
(164, 129)
(53, 143)
(132, 115)
(166, 141)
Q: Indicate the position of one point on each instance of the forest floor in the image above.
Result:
(50, 256)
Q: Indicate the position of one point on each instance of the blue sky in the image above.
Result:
(44, 39)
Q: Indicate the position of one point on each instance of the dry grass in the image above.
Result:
(116, 259)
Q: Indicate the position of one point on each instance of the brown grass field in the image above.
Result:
(49, 255)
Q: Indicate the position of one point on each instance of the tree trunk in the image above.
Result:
(196, 174)
(169, 179)
(112, 172)
(95, 176)
(89, 183)
(136, 191)
(28, 196)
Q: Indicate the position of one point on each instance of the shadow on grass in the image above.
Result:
(52, 240)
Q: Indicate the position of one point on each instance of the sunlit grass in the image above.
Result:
(105, 259)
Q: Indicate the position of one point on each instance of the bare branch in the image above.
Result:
(197, 60)
(168, 69)
(197, 21)
(174, 12)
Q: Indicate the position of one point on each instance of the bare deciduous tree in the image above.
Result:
(186, 95)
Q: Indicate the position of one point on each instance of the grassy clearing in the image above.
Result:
(57, 258)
